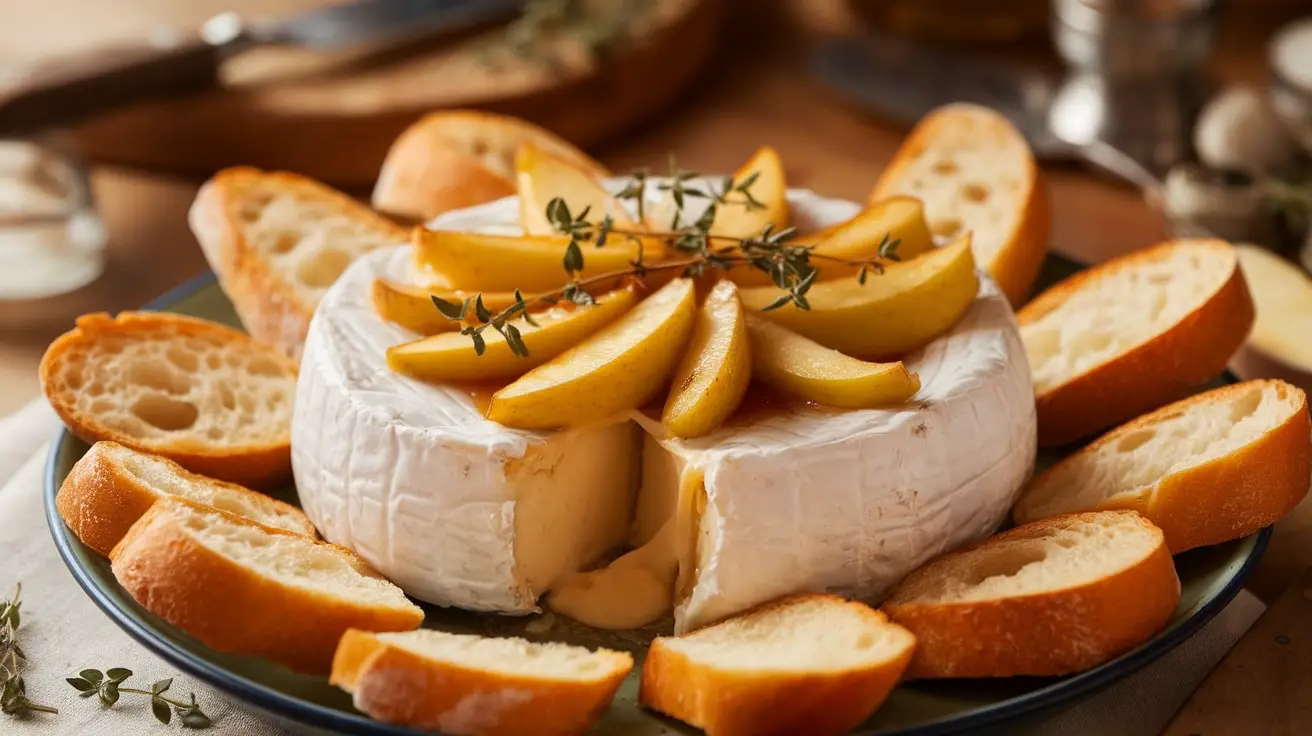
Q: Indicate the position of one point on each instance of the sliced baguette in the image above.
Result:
(1133, 334)
(813, 664)
(277, 241)
(112, 486)
(974, 171)
(462, 684)
(196, 392)
(1050, 598)
(244, 588)
(458, 158)
(1213, 467)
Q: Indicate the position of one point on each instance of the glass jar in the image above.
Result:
(52, 241)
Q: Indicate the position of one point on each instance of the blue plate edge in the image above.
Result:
(278, 705)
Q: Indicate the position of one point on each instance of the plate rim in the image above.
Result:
(278, 704)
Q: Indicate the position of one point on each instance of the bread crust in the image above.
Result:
(426, 171)
(267, 305)
(398, 686)
(1016, 265)
(100, 501)
(1047, 633)
(1162, 369)
(726, 702)
(1225, 498)
(230, 607)
(259, 465)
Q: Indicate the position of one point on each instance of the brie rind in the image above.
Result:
(461, 511)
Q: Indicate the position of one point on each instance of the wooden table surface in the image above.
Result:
(757, 91)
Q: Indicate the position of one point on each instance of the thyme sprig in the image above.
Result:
(108, 685)
(13, 691)
(788, 263)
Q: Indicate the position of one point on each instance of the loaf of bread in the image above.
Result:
(277, 241)
(244, 588)
(1050, 598)
(477, 686)
(1133, 334)
(196, 392)
(974, 171)
(806, 664)
(1213, 467)
(112, 486)
(458, 158)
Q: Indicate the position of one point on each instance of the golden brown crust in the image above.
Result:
(395, 685)
(1054, 632)
(1226, 498)
(435, 166)
(728, 702)
(267, 305)
(1016, 265)
(259, 465)
(1190, 353)
(100, 501)
(232, 608)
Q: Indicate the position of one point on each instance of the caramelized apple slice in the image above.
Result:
(622, 367)
(531, 263)
(892, 313)
(790, 363)
(713, 375)
(450, 356)
(542, 177)
(897, 218)
(736, 219)
(412, 306)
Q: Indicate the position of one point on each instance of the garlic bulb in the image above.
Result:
(1239, 130)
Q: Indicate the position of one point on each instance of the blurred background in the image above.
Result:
(1147, 115)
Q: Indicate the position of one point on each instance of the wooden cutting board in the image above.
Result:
(332, 116)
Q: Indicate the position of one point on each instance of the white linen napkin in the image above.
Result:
(63, 632)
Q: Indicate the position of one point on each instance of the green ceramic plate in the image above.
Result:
(1210, 578)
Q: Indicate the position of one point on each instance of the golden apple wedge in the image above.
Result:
(542, 177)
(735, 219)
(621, 367)
(713, 374)
(897, 218)
(412, 306)
(450, 356)
(795, 365)
(531, 263)
(892, 313)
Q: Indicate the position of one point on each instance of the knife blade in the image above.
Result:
(68, 89)
(904, 81)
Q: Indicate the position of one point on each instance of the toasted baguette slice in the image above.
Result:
(277, 241)
(974, 171)
(1133, 334)
(813, 664)
(1280, 345)
(244, 588)
(201, 394)
(1049, 598)
(458, 158)
(112, 486)
(430, 679)
(1213, 467)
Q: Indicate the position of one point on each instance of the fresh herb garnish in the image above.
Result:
(788, 263)
(13, 691)
(109, 684)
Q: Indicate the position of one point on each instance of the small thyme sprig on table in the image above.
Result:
(13, 691)
(109, 684)
(788, 264)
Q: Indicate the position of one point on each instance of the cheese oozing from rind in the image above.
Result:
(460, 511)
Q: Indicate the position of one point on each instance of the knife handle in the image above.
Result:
(68, 88)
